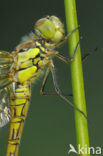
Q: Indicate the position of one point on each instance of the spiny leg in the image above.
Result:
(88, 54)
(44, 81)
(42, 92)
(58, 91)
(66, 60)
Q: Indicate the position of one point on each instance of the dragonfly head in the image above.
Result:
(50, 28)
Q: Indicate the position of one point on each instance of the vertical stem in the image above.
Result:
(77, 78)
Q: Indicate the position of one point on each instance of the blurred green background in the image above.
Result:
(50, 127)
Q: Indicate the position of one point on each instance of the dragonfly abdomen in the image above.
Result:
(19, 103)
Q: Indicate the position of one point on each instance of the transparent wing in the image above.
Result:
(6, 61)
(4, 106)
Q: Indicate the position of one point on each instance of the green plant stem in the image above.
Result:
(77, 77)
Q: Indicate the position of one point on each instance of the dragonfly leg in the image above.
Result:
(88, 54)
(42, 90)
(44, 81)
(58, 91)
(67, 60)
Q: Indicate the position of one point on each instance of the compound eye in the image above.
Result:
(45, 28)
(59, 29)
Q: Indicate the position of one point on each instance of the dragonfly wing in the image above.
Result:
(4, 69)
(4, 106)
(5, 57)
(6, 61)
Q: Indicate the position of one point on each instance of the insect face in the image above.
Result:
(50, 28)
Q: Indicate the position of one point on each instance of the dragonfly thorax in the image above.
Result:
(30, 63)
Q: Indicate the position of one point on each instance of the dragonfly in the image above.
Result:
(20, 69)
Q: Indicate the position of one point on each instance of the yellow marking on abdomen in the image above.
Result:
(19, 107)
